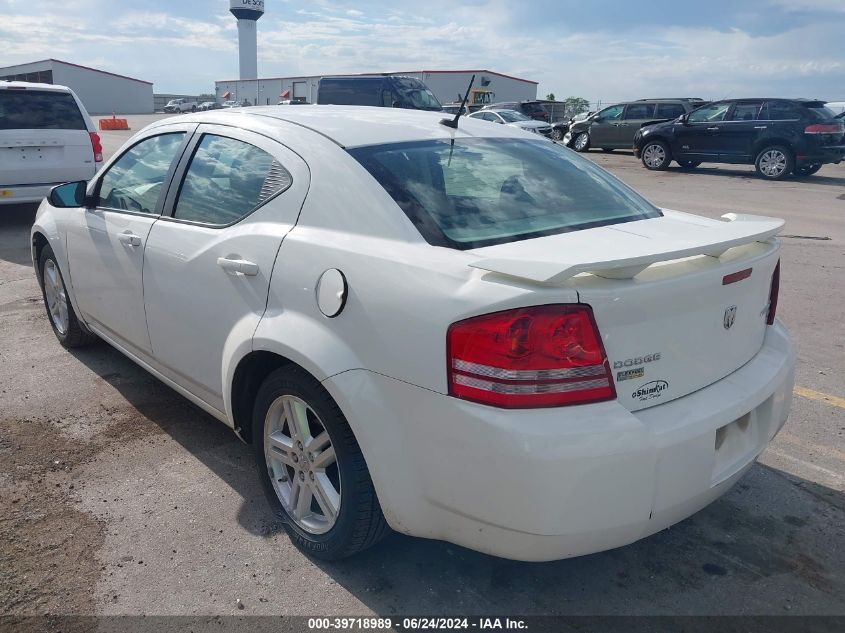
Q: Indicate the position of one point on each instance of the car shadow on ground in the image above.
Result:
(771, 535)
(747, 172)
(15, 223)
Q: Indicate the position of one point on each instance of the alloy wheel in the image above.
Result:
(54, 291)
(773, 163)
(302, 464)
(654, 155)
(581, 141)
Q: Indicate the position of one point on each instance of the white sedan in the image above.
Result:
(465, 334)
(514, 119)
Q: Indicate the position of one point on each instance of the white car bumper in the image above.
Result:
(25, 194)
(546, 484)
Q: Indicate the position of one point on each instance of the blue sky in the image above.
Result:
(597, 49)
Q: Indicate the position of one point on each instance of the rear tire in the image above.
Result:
(581, 142)
(67, 328)
(656, 156)
(689, 164)
(774, 162)
(806, 170)
(318, 457)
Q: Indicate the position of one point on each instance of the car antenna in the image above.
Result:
(453, 123)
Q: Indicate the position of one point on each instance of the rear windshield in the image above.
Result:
(819, 111)
(39, 110)
(480, 191)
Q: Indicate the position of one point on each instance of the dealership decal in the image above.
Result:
(651, 390)
(637, 360)
(628, 374)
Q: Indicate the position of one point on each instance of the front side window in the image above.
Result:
(639, 111)
(710, 114)
(481, 191)
(39, 110)
(227, 180)
(611, 114)
(134, 182)
(747, 111)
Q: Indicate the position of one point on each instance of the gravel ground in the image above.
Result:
(117, 496)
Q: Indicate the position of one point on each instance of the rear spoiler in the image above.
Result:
(627, 261)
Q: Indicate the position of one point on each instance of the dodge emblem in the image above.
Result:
(730, 317)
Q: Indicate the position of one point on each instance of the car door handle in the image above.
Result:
(129, 239)
(760, 127)
(712, 129)
(238, 266)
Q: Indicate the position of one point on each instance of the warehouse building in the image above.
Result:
(102, 92)
(447, 86)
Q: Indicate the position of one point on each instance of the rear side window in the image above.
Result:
(480, 191)
(669, 110)
(39, 110)
(639, 111)
(227, 180)
(134, 181)
(746, 111)
(781, 111)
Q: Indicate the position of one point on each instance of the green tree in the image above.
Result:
(576, 105)
(551, 97)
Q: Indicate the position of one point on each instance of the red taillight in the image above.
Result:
(773, 295)
(97, 146)
(543, 356)
(824, 128)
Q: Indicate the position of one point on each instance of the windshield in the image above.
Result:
(511, 116)
(417, 95)
(475, 192)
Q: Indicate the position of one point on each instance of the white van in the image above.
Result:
(46, 139)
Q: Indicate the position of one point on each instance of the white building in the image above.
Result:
(447, 86)
(101, 92)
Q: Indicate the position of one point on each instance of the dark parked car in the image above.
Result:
(531, 109)
(386, 91)
(614, 127)
(209, 105)
(560, 128)
(778, 136)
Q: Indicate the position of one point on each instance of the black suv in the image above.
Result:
(614, 127)
(778, 136)
(531, 109)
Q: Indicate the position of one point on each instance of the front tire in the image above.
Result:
(806, 170)
(656, 156)
(774, 162)
(558, 134)
(581, 142)
(67, 328)
(312, 469)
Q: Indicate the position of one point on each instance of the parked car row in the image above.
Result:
(780, 137)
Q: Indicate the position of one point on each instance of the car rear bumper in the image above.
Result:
(546, 484)
(25, 194)
(832, 154)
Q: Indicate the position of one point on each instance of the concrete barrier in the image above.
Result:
(114, 124)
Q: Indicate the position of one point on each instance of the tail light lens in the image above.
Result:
(97, 146)
(773, 295)
(542, 356)
(824, 128)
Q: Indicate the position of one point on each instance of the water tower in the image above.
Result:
(248, 12)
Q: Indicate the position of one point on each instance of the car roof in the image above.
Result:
(33, 86)
(356, 126)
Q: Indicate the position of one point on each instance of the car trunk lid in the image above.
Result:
(680, 301)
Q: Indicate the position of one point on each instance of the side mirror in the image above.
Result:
(684, 119)
(69, 195)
